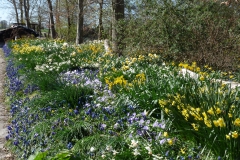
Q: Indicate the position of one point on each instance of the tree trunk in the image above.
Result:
(79, 37)
(26, 10)
(57, 18)
(16, 11)
(68, 17)
(100, 27)
(52, 27)
(117, 36)
(39, 20)
(21, 10)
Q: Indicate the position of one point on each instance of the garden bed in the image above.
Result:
(124, 108)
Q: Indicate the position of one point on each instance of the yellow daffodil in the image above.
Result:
(235, 134)
(237, 122)
(180, 64)
(198, 69)
(120, 80)
(185, 65)
(165, 134)
(190, 68)
(125, 67)
(215, 122)
(210, 111)
(204, 115)
(162, 102)
(219, 123)
(166, 110)
(208, 123)
(218, 110)
(185, 113)
(140, 78)
(195, 126)
(227, 136)
(170, 141)
(182, 150)
(194, 64)
(201, 78)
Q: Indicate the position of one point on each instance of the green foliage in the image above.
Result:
(38, 156)
(65, 155)
(205, 108)
(206, 32)
(69, 34)
(61, 155)
(137, 111)
(45, 83)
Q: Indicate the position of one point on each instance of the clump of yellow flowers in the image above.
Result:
(193, 67)
(26, 48)
(232, 135)
(209, 117)
(219, 123)
(207, 111)
(120, 81)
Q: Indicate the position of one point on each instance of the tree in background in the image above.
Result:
(41, 15)
(117, 28)
(51, 18)
(14, 3)
(16, 10)
(21, 10)
(68, 17)
(3, 24)
(182, 30)
(100, 21)
(79, 36)
(57, 15)
(26, 11)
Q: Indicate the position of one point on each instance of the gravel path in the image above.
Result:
(4, 155)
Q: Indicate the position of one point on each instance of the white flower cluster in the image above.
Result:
(53, 67)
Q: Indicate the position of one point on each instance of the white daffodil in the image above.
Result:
(148, 148)
(134, 144)
(92, 149)
(109, 148)
(136, 152)
(115, 152)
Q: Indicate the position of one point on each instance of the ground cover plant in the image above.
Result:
(202, 31)
(81, 102)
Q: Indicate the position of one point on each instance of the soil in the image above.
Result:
(4, 117)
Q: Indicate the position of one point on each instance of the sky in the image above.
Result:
(5, 11)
